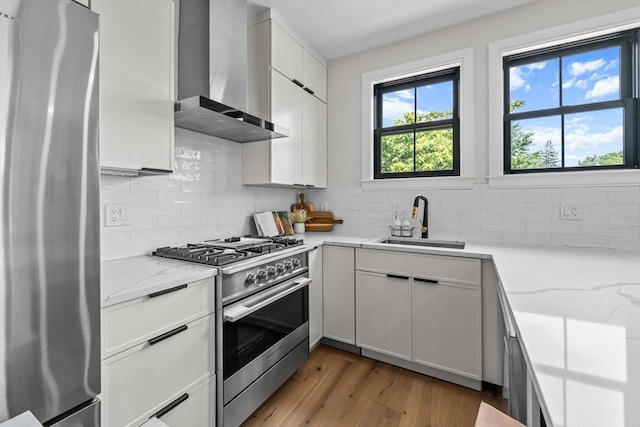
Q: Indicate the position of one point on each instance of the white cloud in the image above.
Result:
(579, 68)
(536, 65)
(582, 138)
(516, 78)
(394, 108)
(606, 86)
(518, 75)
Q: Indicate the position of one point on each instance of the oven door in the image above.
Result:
(260, 330)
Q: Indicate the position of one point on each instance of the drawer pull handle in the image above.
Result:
(397, 276)
(309, 90)
(299, 83)
(171, 405)
(167, 291)
(417, 279)
(166, 335)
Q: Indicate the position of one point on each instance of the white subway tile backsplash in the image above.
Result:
(128, 197)
(115, 238)
(155, 234)
(154, 209)
(204, 199)
(155, 183)
(179, 197)
(178, 220)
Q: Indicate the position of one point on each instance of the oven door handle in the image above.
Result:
(241, 309)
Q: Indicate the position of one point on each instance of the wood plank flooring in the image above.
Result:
(336, 388)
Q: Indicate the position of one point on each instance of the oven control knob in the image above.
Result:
(251, 279)
(271, 271)
(295, 262)
(280, 267)
(288, 265)
(262, 274)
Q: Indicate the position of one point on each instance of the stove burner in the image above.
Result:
(222, 253)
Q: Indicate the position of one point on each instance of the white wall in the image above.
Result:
(611, 214)
(202, 199)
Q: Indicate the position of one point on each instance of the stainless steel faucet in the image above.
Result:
(424, 222)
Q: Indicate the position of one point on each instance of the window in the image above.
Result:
(572, 107)
(417, 124)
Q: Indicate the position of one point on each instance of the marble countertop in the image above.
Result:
(576, 312)
(129, 278)
(577, 315)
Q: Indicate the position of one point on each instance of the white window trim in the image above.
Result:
(461, 58)
(610, 23)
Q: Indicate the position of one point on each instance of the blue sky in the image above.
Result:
(435, 97)
(586, 78)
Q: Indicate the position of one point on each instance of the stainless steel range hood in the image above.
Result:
(212, 72)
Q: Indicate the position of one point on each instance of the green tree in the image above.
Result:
(550, 155)
(614, 158)
(521, 142)
(433, 149)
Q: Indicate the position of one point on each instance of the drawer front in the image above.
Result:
(198, 410)
(383, 261)
(133, 322)
(139, 380)
(464, 271)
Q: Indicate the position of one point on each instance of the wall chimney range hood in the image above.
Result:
(212, 72)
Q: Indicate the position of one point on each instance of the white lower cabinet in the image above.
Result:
(447, 327)
(383, 313)
(137, 381)
(422, 310)
(315, 296)
(198, 409)
(158, 358)
(339, 293)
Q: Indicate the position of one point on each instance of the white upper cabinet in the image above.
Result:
(288, 86)
(314, 76)
(286, 53)
(136, 85)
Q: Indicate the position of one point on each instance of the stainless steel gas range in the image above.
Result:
(262, 317)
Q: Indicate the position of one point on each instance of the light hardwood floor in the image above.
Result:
(335, 388)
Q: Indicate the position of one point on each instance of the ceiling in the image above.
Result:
(336, 28)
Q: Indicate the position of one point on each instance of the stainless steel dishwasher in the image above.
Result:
(515, 368)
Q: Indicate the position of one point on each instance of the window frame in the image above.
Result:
(627, 41)
(451, 74)
(572, 31)
(464, 58)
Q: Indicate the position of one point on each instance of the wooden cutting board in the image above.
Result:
(303, 205)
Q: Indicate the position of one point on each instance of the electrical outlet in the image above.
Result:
(116, 215)
(570, 211)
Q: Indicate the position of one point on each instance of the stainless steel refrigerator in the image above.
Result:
(49, 218)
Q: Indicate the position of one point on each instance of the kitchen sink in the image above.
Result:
(451, 244)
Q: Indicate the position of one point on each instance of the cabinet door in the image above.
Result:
(139, 381)
(286, 53)
(314, 75)
(136, 83)
(197, 410)
(314, 141)
(447, 327)
(286, 110)
(315, 296)
(339, 293)
(383, 313)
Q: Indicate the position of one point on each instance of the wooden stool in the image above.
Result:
(488, 416)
